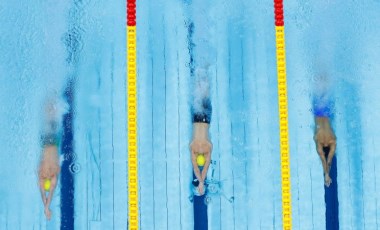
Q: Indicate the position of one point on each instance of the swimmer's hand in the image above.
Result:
(327, 180)
(47, 213)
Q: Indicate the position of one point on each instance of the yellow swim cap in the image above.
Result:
(47, 183)
(201, 160)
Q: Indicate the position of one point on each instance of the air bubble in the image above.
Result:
(74, 168)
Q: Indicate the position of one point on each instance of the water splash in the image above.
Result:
(201, 89)
(54, 109)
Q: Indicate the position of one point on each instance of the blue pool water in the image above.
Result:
(77, 50)
(331, 50)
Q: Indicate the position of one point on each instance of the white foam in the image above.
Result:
(201, 89)
(322, 86)
(53, 110)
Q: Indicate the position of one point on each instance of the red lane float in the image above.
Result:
(131, 12)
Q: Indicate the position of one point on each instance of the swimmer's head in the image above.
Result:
(47, 184)
(201, 160)
(46, 174)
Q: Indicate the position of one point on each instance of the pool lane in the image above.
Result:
(96, 65)
(72, 39)
(200, 207)
(241, 130)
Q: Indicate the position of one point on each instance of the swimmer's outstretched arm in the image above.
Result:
(50, 197)
(326, 166)
(52, 188)
(42, 191)
(331, 155)
(323, 158)
(197, 172)
(207, 164)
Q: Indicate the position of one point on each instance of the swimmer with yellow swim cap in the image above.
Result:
(201, 160)
(49, 167)
(200, 146)
(48, 173)
(47, 184)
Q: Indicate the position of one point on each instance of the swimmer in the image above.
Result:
(49, 167)
(325, 139)
(200, 144)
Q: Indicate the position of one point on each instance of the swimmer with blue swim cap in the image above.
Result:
(324, 137)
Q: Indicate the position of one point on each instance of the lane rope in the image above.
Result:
(133, 211)
(283, 115)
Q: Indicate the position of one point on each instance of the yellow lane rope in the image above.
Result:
(132, 129)
(284, 131)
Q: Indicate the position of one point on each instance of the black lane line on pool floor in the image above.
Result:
(67, 177)
(74, 44)
(331, 199)
(200, 211)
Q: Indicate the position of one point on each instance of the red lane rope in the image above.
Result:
(279, 12)
(131, 12)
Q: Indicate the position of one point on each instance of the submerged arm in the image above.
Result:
(51, 192)
(42, 191)
(197, 172)
(331, 155)
(207, 164)
(323, 158)
(50, 197)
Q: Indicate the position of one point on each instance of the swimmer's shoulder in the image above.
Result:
(333, 140)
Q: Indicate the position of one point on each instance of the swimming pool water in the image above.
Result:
(77, 49)
(328, 50)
